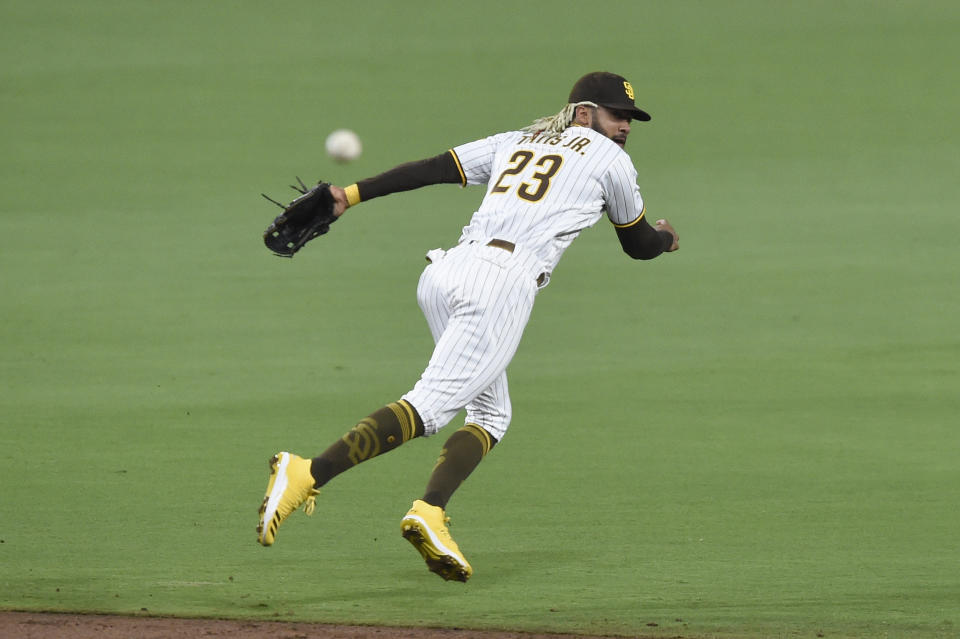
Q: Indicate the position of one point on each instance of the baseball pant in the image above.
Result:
(477, 300)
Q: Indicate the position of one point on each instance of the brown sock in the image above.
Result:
(379, 433)
(461, 454)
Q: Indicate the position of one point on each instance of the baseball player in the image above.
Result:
(544, 185)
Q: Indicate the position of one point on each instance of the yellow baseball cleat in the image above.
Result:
(425, 527)
(291, 485)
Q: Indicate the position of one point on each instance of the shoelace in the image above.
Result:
(445, 532)
(310, 502)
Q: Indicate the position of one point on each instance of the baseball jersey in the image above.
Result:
(544, 189)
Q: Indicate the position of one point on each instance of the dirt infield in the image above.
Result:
(32, 625)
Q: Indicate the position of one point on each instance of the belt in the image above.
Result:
(509, 247)
(504, 244)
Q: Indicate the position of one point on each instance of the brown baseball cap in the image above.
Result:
(609, 90)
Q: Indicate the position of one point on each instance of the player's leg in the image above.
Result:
(425, 523)
(461, 454)
(295, 481)
(379, 433)
(489, 308)
(488, 417)
(493, 304)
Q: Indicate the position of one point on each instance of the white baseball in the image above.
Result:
(343, 145)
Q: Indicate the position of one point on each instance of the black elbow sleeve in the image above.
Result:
(643, 242)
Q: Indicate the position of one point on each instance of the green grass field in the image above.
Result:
(754, 437)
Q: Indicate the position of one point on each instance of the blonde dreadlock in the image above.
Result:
(560, 121)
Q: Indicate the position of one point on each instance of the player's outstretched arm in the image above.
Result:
(440, 169)
(644, 242)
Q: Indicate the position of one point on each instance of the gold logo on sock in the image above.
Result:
(441, 459)
(362, 441)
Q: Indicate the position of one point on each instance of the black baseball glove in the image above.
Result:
(307, 217)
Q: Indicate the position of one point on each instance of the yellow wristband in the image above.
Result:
(353, 194)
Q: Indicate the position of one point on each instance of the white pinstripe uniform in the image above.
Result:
(542, 191)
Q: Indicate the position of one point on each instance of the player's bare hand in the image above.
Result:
(663, 225)
(340, 203)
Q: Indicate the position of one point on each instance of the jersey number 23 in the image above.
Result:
(534, 190)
